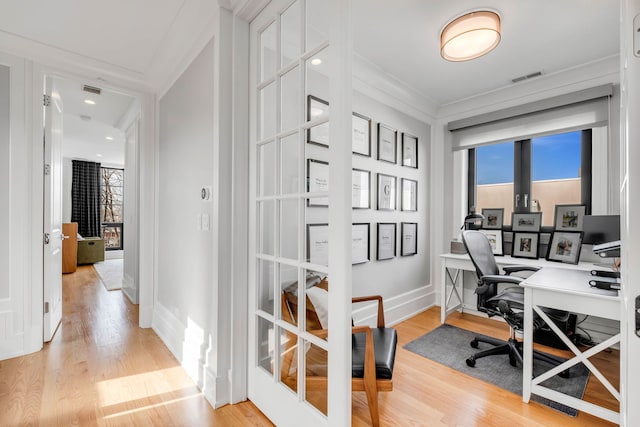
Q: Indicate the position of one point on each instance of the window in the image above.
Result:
(532, 175)
(111, 205)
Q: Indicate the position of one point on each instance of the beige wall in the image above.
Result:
(547, 193)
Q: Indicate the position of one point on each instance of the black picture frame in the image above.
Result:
(493, 218)
(525, 245)
(386, 192)
(409, 151)
(317, 179)
(569, 217)
(387, 143)
(409, 239)
(358, 190)
(409, 194)
(360, 250)
(360, 135)
(319, 134)
(526, 221)
(318, 244)
(386, 240)
(565, 246)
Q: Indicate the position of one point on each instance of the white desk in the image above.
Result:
(452, 264)
(567, 289)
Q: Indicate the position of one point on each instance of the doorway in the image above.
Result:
(97, 128)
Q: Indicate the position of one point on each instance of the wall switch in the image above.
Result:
(205, 222)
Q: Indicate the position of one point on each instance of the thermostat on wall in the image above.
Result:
(205, 193)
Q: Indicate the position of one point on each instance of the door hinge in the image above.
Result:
(47, 169)
(46, 100)
(46, 307)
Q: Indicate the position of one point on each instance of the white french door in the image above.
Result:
(52, 210)
(295, 222)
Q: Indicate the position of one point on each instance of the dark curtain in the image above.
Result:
(85, 198)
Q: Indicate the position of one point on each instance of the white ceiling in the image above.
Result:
(401, 38)
(86, 127)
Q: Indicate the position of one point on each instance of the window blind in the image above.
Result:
(564, 113)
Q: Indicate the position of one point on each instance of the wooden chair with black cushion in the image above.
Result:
(372, 355)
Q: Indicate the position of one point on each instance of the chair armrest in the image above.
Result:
(515, 268)
(378, 298)
(369, 353)
(487, 280)
(320, 333)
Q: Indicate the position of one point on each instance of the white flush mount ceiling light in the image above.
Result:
(90, 101)
(470, 36)
(316, 61)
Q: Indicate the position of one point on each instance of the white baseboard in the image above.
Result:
(187, 346)
(129, 289)
(398, 308)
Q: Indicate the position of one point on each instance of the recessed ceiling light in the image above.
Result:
(90, 101)
(98, 155)
(316, 61)
(109, 138)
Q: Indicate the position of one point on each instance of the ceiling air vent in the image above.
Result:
(91, 89)
(527, 77)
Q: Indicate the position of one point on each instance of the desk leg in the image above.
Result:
(527, 368)
(445, 299)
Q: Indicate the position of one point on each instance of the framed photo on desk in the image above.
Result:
(525, 245)
(495, 240)
(569, 217)
(565, 247)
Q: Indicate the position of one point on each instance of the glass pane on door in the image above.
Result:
(556, 174)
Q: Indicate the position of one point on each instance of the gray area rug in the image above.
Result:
(449, 346)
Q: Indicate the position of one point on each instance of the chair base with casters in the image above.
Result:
(513, 348)
(508, 304)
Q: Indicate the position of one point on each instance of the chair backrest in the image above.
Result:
(480, 252)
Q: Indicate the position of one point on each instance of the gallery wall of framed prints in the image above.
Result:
(388, 187)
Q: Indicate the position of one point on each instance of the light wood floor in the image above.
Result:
(101, 369)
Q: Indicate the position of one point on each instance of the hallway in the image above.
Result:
(102, 369)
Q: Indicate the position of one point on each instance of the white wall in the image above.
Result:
(402, 281)
(130, 283)
(184, 248)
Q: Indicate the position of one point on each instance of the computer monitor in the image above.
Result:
(600, 229)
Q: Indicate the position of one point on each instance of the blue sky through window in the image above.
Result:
(553, 157)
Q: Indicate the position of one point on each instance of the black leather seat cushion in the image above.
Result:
(384, 344)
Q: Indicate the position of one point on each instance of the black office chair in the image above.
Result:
(509, 303)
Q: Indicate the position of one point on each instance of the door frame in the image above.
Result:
(145, 194)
